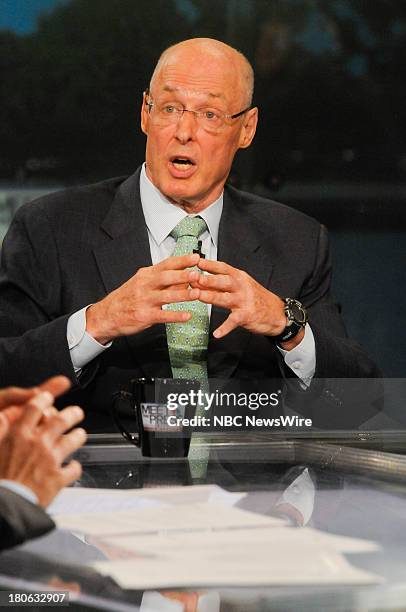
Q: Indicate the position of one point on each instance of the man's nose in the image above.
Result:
(186, 126)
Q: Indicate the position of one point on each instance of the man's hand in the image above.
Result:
(251, 305)
(35, 447)
(12, 399)
(137, 304)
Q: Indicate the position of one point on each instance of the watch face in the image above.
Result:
(299, 314)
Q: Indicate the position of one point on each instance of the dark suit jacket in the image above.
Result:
(71, 248)
(20, 520)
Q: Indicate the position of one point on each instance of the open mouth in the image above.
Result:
(182, 163)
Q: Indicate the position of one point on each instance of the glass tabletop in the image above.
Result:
(344, 483)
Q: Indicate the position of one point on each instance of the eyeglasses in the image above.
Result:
(170, 113)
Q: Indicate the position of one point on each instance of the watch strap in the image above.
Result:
(294, 323)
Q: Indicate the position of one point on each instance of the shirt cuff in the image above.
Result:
(82, 346)
(20, 489)
(300, 494)
(302, 358)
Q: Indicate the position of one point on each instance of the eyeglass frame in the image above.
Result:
(198, 113)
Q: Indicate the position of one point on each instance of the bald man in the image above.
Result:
(87, 273)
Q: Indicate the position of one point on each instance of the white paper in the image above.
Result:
(269, 556)
(192, 494)
(83, 500)
(345, 544)
(98, 501)
(160, 520)
(193, 536)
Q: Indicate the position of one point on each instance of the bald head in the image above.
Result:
(196, 118)
(236, 65)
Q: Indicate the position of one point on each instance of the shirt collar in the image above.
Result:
(161, 216)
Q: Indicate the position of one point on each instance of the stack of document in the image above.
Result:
(195, 537)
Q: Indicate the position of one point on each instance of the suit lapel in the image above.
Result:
(120, 258)
(128, 250)
(243, 246)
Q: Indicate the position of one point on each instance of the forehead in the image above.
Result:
(199, 75)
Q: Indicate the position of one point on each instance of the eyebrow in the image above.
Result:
(170, 89)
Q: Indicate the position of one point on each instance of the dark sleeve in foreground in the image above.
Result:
(33, 344)
(20, 520)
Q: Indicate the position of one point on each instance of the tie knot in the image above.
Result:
(189, 226)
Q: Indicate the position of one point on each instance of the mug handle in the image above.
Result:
(124, 396)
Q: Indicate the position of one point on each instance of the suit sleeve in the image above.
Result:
(336, 355)
(20, 520)
(33, 343)
(346, 389)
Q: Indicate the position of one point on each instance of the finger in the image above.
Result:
(15, 395)
(219, 282)
(70, 472)
(215, 267)
(70, 442)
(35, 408)
(176, 277)
(217, 298)
(173, 316)
(63, 421)
(172, 296)
(178, 263)
(225, 328)
(13, 413)
(49, 412)
(56, 385)
(4, 426)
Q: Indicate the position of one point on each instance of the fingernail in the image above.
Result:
(46, 396)
(78, 411)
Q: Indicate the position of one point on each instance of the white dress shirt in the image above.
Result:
(161, 216)
(20, 489)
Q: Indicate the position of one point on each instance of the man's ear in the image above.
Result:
(144, 114)
(249, 128)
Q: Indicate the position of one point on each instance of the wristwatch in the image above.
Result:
(297, 318)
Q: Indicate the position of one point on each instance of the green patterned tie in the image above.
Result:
(187, 342)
